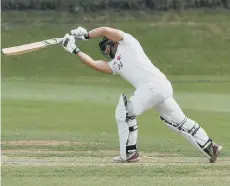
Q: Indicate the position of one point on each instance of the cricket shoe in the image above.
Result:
(131, 157)
(213, 151)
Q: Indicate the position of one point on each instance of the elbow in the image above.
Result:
(95, 65)
(104, 31)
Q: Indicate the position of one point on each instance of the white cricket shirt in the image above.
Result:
(132, 63)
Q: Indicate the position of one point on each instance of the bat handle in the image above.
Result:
(59, 40)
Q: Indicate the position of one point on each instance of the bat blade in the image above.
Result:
(22, 49)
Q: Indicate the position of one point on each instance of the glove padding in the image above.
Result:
(69, 44)
(80, 33)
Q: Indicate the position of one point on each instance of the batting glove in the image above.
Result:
(80, 33)
(69, 44)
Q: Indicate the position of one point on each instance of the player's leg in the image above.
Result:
(123, 129)
(127, 131)
(142, 100)
(175, 119)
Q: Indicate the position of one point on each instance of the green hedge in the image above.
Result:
(97, 5)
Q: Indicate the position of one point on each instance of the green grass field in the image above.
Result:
(58, 125)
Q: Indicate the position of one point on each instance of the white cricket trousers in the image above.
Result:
(159, 95)
(153, 94)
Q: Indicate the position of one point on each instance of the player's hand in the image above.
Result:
(69, 44)
(80, 33)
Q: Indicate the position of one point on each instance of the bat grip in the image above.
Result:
(59, 40)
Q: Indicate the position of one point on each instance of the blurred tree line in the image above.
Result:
(98, 5)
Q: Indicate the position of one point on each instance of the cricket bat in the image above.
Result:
(26, 48)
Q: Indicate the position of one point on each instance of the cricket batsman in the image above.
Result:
(153, 90)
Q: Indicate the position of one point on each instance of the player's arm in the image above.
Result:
(70, 46)
(111, 33)
(98, 65)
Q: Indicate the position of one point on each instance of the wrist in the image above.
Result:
(76, 50)
(86, 35)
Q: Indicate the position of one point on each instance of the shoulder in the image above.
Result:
(128, 39)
